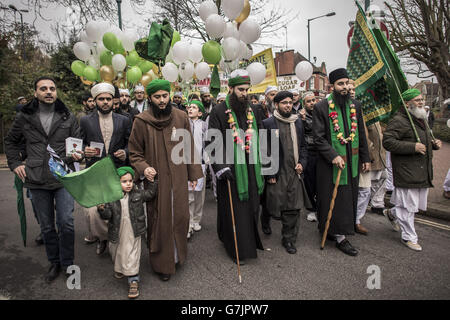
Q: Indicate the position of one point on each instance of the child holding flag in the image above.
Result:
(126, 226)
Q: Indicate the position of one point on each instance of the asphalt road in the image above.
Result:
(210, 274)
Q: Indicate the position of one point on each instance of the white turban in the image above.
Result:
(102, 87)
(178, 94)
(221, 95)
(204, 90)
(270, 89)
(124, 91)
(139, 87)
(294, 91)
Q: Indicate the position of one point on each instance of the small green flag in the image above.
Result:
(95, 185)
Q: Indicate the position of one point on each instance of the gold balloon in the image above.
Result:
(121, 84)
(107, 73)
(85, 81)
(153, 74)
(156, 70)
(146, 79)
(244, 13)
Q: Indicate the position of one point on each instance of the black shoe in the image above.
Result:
(64, 271)
(164, 277)
(331, 237)
(53, 272)
(101, 246)
(290, 248)
(39, 241)
(347, 248)
(266, 229)
(389, 192)
(276, 218)
(377, 210)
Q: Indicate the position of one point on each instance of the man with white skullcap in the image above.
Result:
(296, 100)
(205, 96)
(177, 100)
(139, 102)
(270, 93)
(104, 133)
(125, 105)
(221, 97)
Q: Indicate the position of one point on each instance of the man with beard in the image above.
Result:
(111, 130)
(205, 96)
(88, 105)
(178, 101)
(151, 146)
(46, 121)
(234, 115)
(297, 107)
(286, 192)
(309, 101)
(125, 107)
(340, 139)
(412, 164)
(139, 103)
(116, 100)
(268, 107)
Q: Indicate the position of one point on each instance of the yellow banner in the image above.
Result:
(266, 58)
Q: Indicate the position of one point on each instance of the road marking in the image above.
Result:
(433, 224)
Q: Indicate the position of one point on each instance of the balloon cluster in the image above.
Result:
(232, 39)
(106, 53)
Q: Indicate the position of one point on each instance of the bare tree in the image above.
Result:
(420, 30)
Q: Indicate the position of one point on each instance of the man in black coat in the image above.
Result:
(125, 105)
(46, 121)
(104, 133)
(340, 143)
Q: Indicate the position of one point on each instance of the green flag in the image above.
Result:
(18, 185)
(95, 185)
(367, 66)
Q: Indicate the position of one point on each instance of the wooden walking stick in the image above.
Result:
(330, 212)
(234, 231)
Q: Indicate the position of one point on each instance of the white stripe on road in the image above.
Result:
(433, 224)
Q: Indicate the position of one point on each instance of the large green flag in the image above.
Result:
(95, 185)
(375, 68)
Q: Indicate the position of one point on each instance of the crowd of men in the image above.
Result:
(316, 144)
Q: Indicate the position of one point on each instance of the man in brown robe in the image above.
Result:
(152, 140)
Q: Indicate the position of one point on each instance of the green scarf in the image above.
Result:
(341, 149)
(240, 166)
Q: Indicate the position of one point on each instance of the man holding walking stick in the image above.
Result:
(340, 140)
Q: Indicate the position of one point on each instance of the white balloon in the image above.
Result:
(94, 62)
(256, 72)
(242, 50)
(169, 57)
(215, 26)
(180, 52)
(249, 30)
(186, 70)
(84, 37)
(93, 31)
(99, 48)
(82, 50)
(195, 53)
(304, 70)
(249, 53)
(232, 8)
(170, 72)
(119, 62)
(231, 31)
(231, 48)
(128, 40)
(206, 9)
(202, 71)
(222, 65)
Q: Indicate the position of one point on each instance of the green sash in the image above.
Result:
(240, 166)
(340, 148)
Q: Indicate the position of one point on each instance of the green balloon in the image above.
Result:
(211, 52)
(78, 67)
(175, 38)
(106, 58)
(132, 58)
(134, 74)
(119, 48)
(110, 41)
(145, 66)
(90, 73)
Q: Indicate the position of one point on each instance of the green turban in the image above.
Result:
(233, 82)
(156, 85)
(124, 170)
(410, 94)
(198, 104)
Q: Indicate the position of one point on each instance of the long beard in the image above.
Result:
(340, 99)
(104, 111)
(238, 106)
(284, 114)
(125, 107)
(158, 113)
(419, 113)
(270, 106)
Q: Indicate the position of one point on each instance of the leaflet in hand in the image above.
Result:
(73, 145)
(98, 146)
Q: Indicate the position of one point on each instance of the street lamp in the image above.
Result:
(12, 7)
(119, 4)
(309, 37)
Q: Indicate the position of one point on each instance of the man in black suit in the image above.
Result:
(110, 131)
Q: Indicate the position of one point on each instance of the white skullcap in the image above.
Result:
(204, 90)
(139, 87)
(239, 73)
(270, 89)
(178, 94)
(221, 95)
(102, 87)
(427, 107)
(294, 91)
(262, 98)
(124, 91)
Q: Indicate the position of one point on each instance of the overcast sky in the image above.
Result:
(328, 34)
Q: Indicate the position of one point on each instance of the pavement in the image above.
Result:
(438, 207)
(384, 268)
